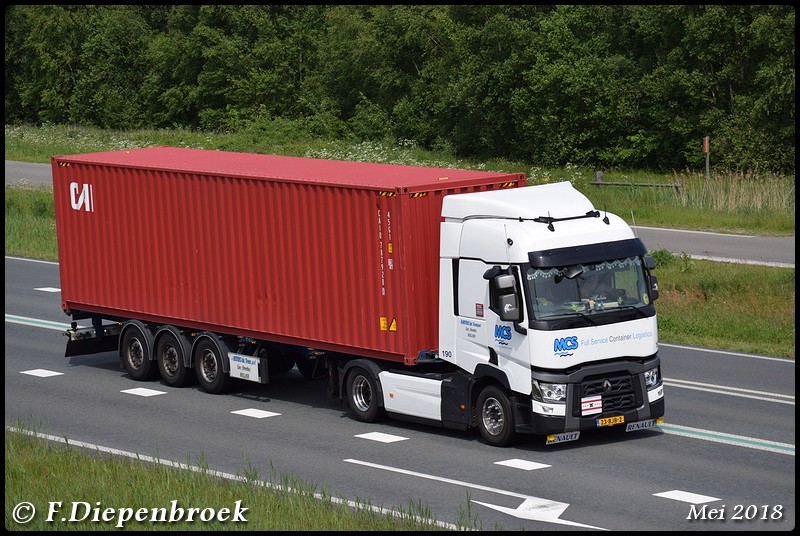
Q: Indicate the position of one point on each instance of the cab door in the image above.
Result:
(508, 343)
(472, 346)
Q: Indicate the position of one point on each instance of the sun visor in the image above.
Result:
(633, 247)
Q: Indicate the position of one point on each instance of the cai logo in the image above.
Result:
(81, 196)
(502, 334)
(564, 346)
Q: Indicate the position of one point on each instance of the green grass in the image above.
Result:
(40, 472)
(30, 223)
(726, 306)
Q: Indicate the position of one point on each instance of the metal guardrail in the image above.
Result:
(598, 181)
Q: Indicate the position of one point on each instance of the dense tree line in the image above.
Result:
(615, 86)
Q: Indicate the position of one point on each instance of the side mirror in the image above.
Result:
(653, 282)
(649, 263)
(505, 282)
(509, 309)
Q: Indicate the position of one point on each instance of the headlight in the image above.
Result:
(549, 392)
(652, 378)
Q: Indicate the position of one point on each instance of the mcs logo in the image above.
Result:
(562, 347)
(83, 200)
(502, 334)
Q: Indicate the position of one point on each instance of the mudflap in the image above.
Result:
(92, 346)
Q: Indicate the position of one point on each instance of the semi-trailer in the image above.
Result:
(466, 299)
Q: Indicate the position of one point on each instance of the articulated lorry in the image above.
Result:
(465, 299)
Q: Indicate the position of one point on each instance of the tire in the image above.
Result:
(311, 369)
(362, 396)
(170, 359)
(135, 351)
(280, 362)
(495, 419)
(208, 367)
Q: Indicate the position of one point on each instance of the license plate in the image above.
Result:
(561, 438)
(611, 421)
(641, 425)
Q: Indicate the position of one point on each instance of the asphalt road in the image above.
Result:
(770, 251)
(727, 445)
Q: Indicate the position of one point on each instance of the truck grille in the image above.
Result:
(619, 396)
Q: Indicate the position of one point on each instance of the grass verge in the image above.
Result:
(76, 488)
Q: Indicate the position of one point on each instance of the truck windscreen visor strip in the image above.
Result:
(586, 254)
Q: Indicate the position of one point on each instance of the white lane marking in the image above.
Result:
(48, 289)
(728, 439)
(788, 361)
(535, 509)
(532, 508)
(141, 391)
(383, 438)
(735, 391)
(35, 322)
(31, 260)
(327, 498)
(743, 261)
(685, 496)
(694, 232)
(255, 413)
(522, 464)
(41, 373)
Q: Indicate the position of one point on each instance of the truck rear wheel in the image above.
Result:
(169, 355)
(495, 419)
(208, 367)
(135, 349)
(280, 362)
(362, 396)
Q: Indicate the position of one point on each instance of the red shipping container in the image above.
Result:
(334, 255)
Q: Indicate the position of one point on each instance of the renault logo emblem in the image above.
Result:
(607, 386)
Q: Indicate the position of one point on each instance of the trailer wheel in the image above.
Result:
(169, 355)
(135, 353)
(362, 396)
(495, 419)
(208, 366)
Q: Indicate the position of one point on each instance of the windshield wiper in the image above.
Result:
(639, 311)
(578, 313)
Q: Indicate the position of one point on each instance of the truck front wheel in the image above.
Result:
(135, 353)
(495, 419)
(362, 396)
(208, 366)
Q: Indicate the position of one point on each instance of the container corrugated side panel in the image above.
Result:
(289, 261)
(344, 269)
(417, 248)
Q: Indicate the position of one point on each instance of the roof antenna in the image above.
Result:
(634, 224)
(550, 224)
(605, 220)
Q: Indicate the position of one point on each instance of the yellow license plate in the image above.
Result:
(611, 421)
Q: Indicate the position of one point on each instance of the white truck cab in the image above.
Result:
(554, 300)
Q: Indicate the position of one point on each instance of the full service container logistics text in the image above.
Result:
(461, 298)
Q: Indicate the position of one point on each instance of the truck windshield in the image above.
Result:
(600, 287)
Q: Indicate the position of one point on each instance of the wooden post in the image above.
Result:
(706, 151)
